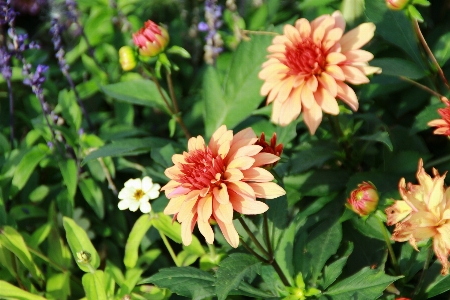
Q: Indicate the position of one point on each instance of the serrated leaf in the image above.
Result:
(237, 96)
(333, 270)
(233, 270)
(79, 241)
(426, 115)
(184, 281)
(366, 284)
(140, 227)
(380, 136)
(441, 49)
(398, 67)
(10, 291)
(312, 157)
(139, 92)
(94, 285)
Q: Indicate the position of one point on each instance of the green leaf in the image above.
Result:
(380, 136)
(94, 285)
(411, 261)
(434, 282)
(58, 286)
(314, 156)
(370, 227)
(234, 99)
(14, 242)
(366, 284)
(39, 235)
(140, 227)
(317, 182)
(426, 115)
(398, 67)
(233, 270)
(171, 229)
(69, 173)
(26, 166)
(70, 109)
(415, 13)
(333, 270)
(93, 196)
(140, 92)
(185, 281)
(441, 49)
(395, 28)
(10, 291)
(179, 51)
(79, 241)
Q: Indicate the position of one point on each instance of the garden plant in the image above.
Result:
(212, 149)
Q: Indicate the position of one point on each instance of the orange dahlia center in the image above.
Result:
(202, 170)
(305, 58)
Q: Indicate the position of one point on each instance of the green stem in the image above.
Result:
(389, 246)
(175, 105)
(169, 248)
(437, 162)
(339, 137)
(266, 234)
(253, 252)
(425, 88)
(212, 249)
(424, 271)
(252, 237)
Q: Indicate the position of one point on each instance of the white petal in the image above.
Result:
(145, 207)
(134, 183)
(147, 183)
(126, 193)
(124, 204)
(134, 205)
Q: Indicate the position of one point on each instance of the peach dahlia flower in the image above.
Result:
(443, 125)
(308, 65)
(211, 181)
(423, 213)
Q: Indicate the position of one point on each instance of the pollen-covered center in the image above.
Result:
(203, 169)
(138, 194)
(305, 58)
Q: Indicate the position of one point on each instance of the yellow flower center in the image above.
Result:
(138, 194)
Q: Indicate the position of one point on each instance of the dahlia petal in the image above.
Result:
(229, 233)
(171, 185)
(187, 211)
(248, 150)
(172, 172)
(204, 208)
(292, 34)
(276, 48)
(335, 71)
(438, 122)
(369, 70)
(280, 39)
(422, 233)
(441, 252)
(339, 21)
(213, 142)
(284, 113)
(442, 130)
(313, 117)
(205, 229)
(271, 70)
(193, 142)
(354, 75)
(435, 203)
(133, 183)
(174, 205)
(397, 212)
(358, 55)
(326, 101)
(318, 34)
(243, 189)
(257, 175)
(180, 190)
(224, 143)
(444, 232)
(321, 28)
(328, 83)
(270, 61)
(347, 94)
(267, 87)
(312, 83)
(285, 90)
(334, 58)
(186, 231)
(274, 92)
(424, 179)
(221, 195)
(303, 27)
(307, 97)
(357, 37)
(233, 174)
(299, 80)
(264, 158)
(223, 211)
(267, 190)
(145, 207)
(241, 163)
(247, 207)
(446, 215)
(331, 38)
(244, 134)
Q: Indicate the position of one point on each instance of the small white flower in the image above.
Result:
(137, 193)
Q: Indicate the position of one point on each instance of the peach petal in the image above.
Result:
(267, 190)
(441, 252)
(241, 163)
(276, 48)
(271, 70)
(291, 33)
(280, 39)
(172, 184)
(205, 229)
(331, 38)
(304, 28)
(358, 55)
(326, 101)
(233, 174)
(438, 122)
(257, 175)
(313, 117)
(213, 142)
(247, 207)
(335, 71)
(248, 150)
(339, 21)
(357, 37)
(243, 189)
(328, 83)
(354, 75)
(229, 233)
(397, 212)
(178, 158)
(347, 94)
(264, 158)
(334, 58)
(174, 205)
(285, 90)
(368, 70)
(223, 212)
(186, 232)
(221, 194)
(204, 208)
(187, 211)
(307, 97)
(286, 112)
(312, 83)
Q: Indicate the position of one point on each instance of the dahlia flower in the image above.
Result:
(308, 65)
(212, 180)
(137, 193)
(423, 213)
(443, 125)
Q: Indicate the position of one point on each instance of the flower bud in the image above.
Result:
(364, 199)
(126, 58)
(397, 4)
(151, 39)
(271, 148)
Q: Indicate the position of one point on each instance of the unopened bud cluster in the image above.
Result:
(364, 199)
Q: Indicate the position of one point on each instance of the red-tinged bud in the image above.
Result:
(364, 199)
(151, 39)
(397, 4)
(127, 58)
(271, 148)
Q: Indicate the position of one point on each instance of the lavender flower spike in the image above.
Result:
(214, 43)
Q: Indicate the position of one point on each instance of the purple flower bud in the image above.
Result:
(202, 26)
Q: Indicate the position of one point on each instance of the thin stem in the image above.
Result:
(175, 105)
(424, 271)
(266, 235)
(389, 246)
(169, 248)
(438, 161)
(425, 88)
(47, 260)
(11, 111)
(212, 249)
(111, 184)
(259, 32)
(253, 251)
(155, 80)
(430, 53)
(339, 136)
(280, 273)
(41, 101)
(252, 237)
